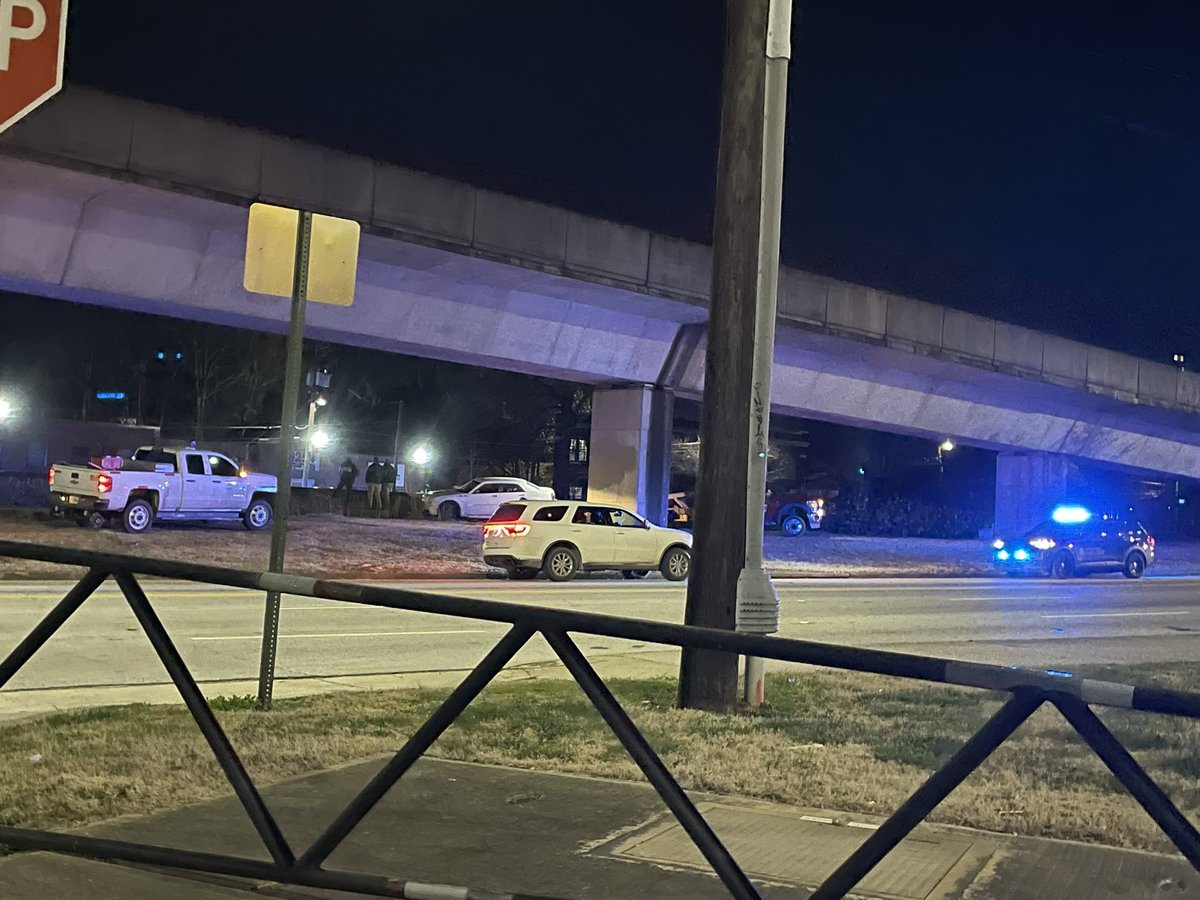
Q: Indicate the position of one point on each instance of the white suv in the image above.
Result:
(563, 538)
(481, 498)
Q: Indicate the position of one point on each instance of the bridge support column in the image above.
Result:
(1028, 487)
(629, 453)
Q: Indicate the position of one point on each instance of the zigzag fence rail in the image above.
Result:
(1029, 689)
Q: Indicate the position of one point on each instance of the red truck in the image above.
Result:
(792, 513)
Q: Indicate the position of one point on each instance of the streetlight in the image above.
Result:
(944, 447)
(421, 456)
(1178, 360)
(320, 440)
(310, 444)
(6, 409)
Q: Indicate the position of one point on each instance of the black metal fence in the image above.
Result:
(1029, 690)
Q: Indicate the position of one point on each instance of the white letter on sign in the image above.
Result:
(9, 31)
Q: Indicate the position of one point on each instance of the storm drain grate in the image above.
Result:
(786, 847)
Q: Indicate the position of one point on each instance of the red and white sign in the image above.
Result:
(33, 39)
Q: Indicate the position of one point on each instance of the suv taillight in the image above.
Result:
(516, 530)
(104, 483)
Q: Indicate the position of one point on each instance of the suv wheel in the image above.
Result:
(1135, 565)
(522, 573)
(676, 564)
(449, 511)
(1062, 566)
(562, 563)
(793, 525)
(635, 573)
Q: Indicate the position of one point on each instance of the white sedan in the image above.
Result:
(564, 538)
(481, 498)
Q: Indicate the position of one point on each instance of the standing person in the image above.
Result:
(347, 475)
(389, 486)
(374, 484)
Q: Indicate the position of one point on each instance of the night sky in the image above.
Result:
(1034, 161)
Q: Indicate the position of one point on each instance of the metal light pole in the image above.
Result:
(757, 599)
(396, 439)
(308, 436)
(944, 447)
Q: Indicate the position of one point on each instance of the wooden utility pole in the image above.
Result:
(745, 272)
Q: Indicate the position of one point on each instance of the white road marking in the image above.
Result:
(348, 634)
(1119, 615)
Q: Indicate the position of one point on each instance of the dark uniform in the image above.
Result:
(347, 474)
(375, 484)
(389, 486)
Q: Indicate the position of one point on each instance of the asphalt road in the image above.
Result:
(102, 656)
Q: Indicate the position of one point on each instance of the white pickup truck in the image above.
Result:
(177, 484)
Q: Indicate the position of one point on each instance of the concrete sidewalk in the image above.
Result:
(511, 830)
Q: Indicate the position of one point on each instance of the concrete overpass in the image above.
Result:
(113, 201)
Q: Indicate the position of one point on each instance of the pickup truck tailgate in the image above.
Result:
(76, 480)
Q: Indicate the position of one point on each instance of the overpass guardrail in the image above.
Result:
(1028, 690)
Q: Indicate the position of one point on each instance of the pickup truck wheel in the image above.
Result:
(258, 515)
(793, 525)
(138, 516)
(96, 520)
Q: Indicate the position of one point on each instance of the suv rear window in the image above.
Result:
(550, 514)
(508, 512)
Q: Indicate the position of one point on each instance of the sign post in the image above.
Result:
(287, 437)
(33, 41)
(303, 256)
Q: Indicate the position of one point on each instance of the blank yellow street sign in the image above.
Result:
(271, 255)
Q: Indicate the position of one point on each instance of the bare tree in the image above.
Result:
(214, 369)
(262, 358)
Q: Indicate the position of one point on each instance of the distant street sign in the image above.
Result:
(271, 254)
(33, 40)
(101, 395)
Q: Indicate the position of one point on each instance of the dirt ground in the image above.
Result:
(365, 548)
(328, 545)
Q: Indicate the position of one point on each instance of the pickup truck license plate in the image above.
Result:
(73, 500)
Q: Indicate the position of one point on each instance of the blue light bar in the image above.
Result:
(1070, 515)
(110, 395)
